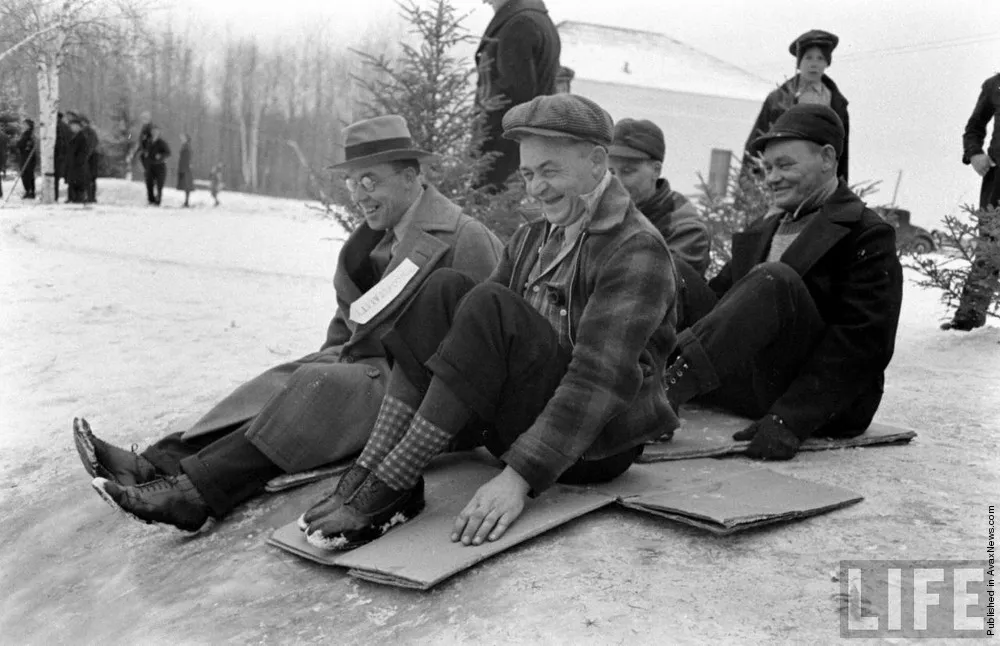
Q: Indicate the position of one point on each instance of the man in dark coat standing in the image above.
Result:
(93, 159)
(813, 52)
(981, 284)
(517, 59)
(320, 408)
(805, 322)
(142, 150)
(157, 153)
(185, 180)
(27, 148)
(77, 168)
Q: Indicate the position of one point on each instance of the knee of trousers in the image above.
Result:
(446, 283)
(778, 275)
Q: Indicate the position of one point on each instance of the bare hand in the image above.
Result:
(981, 163)
(494, 507)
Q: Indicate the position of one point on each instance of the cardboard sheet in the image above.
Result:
(728, 502)
(706, 433)
(420, 553)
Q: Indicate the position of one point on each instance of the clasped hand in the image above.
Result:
(494, 507)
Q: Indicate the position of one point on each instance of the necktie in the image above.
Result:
(382, 254)
(550, 250)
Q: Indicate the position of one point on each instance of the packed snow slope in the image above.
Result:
(138, 318)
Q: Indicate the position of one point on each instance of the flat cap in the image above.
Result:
(808, 121)
(559, 115)
(826, 41)
(637, 139)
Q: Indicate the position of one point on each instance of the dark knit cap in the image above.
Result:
(826, 42)
(637, 139)
(809, 121)
(559, 115)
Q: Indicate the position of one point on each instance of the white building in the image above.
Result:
(699, 101)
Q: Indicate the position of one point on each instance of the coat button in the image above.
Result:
(562, 312)
(535, 289)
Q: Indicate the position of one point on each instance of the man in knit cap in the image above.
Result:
(558, 357)
(807, 309)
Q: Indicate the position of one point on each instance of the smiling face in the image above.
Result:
(392, 192)
(638, 176)
(795, 169)
(558, 171)
(813, 64)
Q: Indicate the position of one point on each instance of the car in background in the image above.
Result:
(909, 237)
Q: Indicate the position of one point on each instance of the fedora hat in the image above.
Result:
(377, 141)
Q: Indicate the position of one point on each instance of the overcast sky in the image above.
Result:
(911, 69)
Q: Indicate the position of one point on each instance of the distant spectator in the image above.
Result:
(27, 148)
(63, 134)
(517, 59)
(978, 289)
(185, 180)
(156, 155)
(142, 150)
(77, 168)
(93, 158)
(3, 154)
(813, 52)
(216, 181)
(564, 80)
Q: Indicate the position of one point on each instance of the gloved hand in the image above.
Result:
(769, 439)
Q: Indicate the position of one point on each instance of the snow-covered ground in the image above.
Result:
(139, 318)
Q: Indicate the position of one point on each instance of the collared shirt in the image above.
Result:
(548, 288)
(812, 92)
(403, 225)
(792, 224)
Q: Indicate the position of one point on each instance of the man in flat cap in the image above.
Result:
(981, 284)
(813, 52)
(554, 364)
(636, 159)
(320, 408)
(517, 60)
(807, 309)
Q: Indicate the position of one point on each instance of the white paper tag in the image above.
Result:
(384, 292)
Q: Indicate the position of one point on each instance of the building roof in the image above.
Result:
(649, 59)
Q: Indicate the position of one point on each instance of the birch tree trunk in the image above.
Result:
(49, 65)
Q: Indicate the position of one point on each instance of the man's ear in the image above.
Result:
(599, 157)
(658, 168)
(829, 155)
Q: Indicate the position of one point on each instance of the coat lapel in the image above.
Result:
(750, 247)
(826, 230)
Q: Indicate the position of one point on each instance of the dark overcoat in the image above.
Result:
(185, 181)
(321, 408)
(778, 102)
(846, 256)
(77, 155)
(517, 59)
(27, 150)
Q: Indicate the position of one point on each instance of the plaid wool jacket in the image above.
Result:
(621, 299)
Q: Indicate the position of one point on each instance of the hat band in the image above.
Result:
(366, 148)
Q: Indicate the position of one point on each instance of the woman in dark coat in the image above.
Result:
(813, 52)
(77, 167)
(185, 180)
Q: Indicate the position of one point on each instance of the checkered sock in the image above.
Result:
(390, 426)
(404, 465)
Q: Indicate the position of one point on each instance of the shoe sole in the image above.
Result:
(98, 485)
(85, 447)
(342, 543)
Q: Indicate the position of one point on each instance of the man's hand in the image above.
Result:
(491, 511)
(981, 163)
(769, 439)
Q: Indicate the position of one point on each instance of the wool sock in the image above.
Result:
(390, 426)
(441, 416)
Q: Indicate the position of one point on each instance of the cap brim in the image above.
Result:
(521, 131)
(382, 158)
(628, 153)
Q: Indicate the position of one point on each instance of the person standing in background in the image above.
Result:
(63, 135)
(981, 283)
(185, 180)
(813, 52)
(93, 159)
(517, 60)
(142, 150)
(216, 185)
(77, 169)
(27, 148)
(156, 156)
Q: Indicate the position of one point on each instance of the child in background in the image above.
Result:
(216, 181)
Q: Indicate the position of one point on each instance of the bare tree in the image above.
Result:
(51, 30)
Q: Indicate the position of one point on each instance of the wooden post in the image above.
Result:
(718, 171)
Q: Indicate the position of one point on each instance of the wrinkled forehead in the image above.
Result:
(794, 149)
(375, 171)
(556, 152)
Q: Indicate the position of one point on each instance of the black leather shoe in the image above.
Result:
(173, 500)
(348, 484)
(367, 514)
(104, 460)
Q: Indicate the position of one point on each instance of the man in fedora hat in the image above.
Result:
(320, 408)
(813, 52)
(807, 309)
(558, 357)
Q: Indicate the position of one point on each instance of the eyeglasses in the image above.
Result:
(367, 182)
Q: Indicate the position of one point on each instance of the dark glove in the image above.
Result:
(769, 439)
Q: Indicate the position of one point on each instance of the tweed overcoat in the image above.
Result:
(321, 408)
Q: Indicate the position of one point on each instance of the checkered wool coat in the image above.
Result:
(622, 312)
